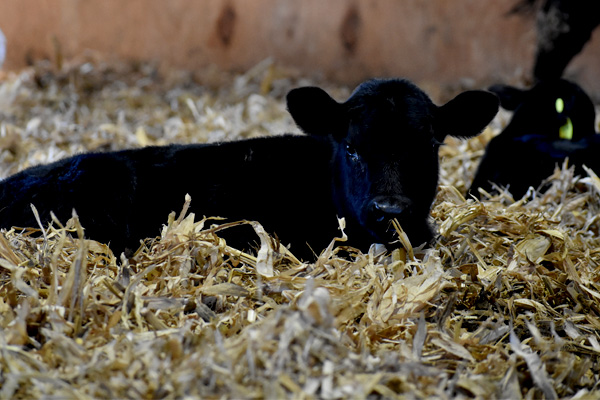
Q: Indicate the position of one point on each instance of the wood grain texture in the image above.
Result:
(442, 41)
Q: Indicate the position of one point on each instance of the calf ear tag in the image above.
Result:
(559, 105)
(565, 131)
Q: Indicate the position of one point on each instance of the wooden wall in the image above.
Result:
(442, 41)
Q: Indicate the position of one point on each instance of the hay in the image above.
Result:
(505, 304)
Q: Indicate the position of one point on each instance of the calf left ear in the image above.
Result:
(466, 115)
(315, 112)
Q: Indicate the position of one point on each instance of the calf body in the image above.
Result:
(552, 121)
(369, 159)
(122, 197)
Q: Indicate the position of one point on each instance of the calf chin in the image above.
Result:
(418, 231)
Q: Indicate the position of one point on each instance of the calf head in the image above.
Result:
(385, 140)
(551, 121)
(556, 109)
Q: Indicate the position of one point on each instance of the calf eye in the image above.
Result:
(352, 153)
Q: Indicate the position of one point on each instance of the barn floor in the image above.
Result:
(506, 304)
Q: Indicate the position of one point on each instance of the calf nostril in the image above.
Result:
(383, 212)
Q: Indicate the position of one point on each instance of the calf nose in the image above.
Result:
(383, 209)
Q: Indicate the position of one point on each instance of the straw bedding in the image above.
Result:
(505, 304)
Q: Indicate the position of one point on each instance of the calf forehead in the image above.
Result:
(389, 112)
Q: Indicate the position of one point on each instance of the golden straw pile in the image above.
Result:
(505, 304)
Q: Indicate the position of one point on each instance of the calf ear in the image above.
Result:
(466, 115)
(510, 97)
(315, 112)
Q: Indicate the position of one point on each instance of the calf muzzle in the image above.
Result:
(382, 209)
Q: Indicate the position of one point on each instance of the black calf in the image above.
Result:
(369, 159)
(552, 121)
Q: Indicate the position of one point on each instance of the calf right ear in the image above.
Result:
(510, 97)
(466, 115)
(315, 112)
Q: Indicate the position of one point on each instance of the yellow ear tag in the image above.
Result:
(566, 131)
(559, 105)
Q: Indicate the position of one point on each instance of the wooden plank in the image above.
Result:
(445, 41)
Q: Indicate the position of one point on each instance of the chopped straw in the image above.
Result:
(505, 304)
